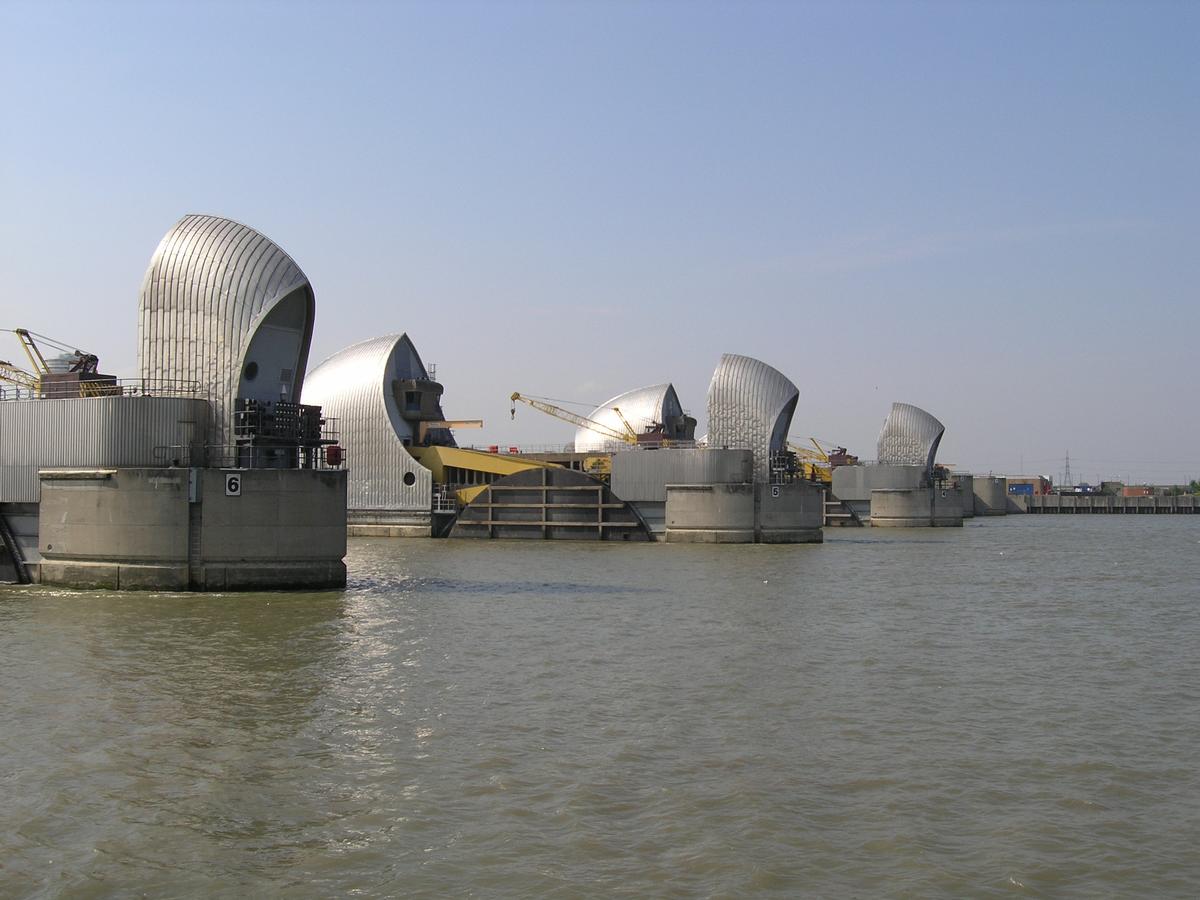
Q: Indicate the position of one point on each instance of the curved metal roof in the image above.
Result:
(210, 286)
(644, 408)
(355, 387)
(750, 405)
(910, 437)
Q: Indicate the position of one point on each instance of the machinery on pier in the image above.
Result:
(74, 373)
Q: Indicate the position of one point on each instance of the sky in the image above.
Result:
(985, 209)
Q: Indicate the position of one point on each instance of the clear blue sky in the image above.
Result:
(986, 209)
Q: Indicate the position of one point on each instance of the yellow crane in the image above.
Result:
(18, 376)
(84, 363)
(628, 437)
(624, 421)
(813, 463)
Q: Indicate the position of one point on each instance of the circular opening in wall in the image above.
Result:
(410, 479)
(250, 371)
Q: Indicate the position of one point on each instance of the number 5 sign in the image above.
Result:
(233, 484)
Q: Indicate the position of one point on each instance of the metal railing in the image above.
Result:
(607, 447)
(241, 456)
(120, 387)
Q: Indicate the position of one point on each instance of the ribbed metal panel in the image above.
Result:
(643, 407)
(643, 475)
(210, 284)
(750, 405)
(910, 437)
(355, 387)
(91, 431)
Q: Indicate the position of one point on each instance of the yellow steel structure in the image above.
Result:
(18, 376)
(566, 415)
(624, 421)
(813, 463)
(484, 466)
(36, 360)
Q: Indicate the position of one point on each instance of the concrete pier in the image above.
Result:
(193, 529)
(791, 513)
(936, 507)
(991, 495)
(966, 487)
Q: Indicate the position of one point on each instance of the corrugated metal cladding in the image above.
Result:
(355, 387)
(643, 475)
(910, 437)
(750, 404)
(644, 407)
(209, 286)
(91, 432)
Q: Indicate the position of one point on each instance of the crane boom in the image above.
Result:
(36, 360)
(18, 376)
(82, 362)
(624, 421)
(574, 418)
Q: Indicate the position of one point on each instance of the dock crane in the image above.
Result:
(39, 378)
(83, 363)
(629, 436)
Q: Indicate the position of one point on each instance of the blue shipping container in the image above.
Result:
(1026, 489)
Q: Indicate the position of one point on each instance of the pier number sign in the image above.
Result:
(233, 484)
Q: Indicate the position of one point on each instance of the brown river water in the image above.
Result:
(1007, 709)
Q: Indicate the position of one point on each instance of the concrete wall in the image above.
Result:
(966, 487)
(1103, 503)
(179, 529)
(640, 477)
(388, 523)
(937, 507)
(790, 513)
(745, 513)
(853, 484)
(991, 495)
(857, 482)
(710, 513)
(645, 474)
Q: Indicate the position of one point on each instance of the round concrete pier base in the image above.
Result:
(928, 507)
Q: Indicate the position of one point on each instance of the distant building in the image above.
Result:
(1029, 485)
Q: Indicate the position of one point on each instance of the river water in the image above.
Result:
(1012, 708)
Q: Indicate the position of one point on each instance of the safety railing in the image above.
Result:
(241, 456)
(119, 387)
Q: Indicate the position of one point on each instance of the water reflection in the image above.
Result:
(875, 715)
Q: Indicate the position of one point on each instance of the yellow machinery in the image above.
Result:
(815, 463)
(629, 436)
(83, 366)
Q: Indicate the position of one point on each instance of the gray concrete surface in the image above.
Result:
(991, 495)
(179, 529)
(927, 507)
